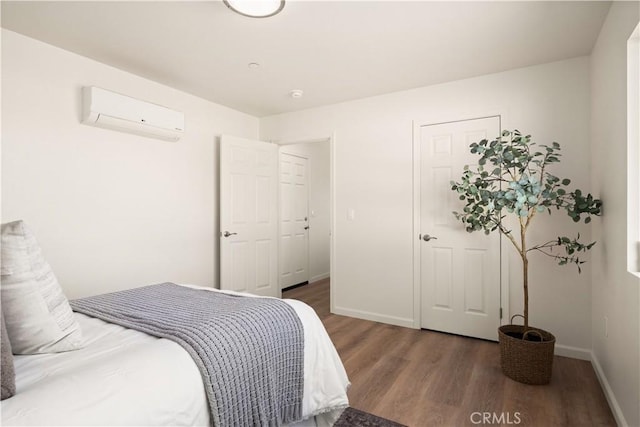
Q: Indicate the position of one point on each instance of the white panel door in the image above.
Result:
(294, 220)
(459, 271)
(248, 216)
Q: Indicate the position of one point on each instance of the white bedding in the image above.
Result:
(126, 377)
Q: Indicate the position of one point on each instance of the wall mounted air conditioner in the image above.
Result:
(111, 110)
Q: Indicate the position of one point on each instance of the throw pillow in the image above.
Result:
(7, 373)
(36, 312)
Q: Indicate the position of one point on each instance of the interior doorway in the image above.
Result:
(304, 212)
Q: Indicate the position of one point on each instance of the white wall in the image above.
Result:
(372, 274)
(110, 210)
(616, 293)
(319, 210)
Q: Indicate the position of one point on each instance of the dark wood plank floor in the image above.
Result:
(425, 378)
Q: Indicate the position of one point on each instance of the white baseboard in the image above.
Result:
(319, 277)
(374, 317)
(608, 392)
(573, 352)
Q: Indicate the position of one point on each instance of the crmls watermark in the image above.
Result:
(495, 418)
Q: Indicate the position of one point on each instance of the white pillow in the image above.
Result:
(36, 312)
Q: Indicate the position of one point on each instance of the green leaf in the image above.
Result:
(519, 184)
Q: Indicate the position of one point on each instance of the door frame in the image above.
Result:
(331, 138)
(282, 150)
(504, 249)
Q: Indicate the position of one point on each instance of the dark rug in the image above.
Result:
(352, 417)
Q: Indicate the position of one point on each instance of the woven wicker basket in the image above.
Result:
(528, 362)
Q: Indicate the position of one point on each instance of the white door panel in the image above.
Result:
(460, 271)
(248, 216)
(294, 221)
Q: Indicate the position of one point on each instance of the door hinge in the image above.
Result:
(500, 312)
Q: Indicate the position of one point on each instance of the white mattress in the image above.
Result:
(126, 377)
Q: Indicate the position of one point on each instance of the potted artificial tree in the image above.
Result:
(511, 185)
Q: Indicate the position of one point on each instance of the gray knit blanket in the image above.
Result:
(250, 351)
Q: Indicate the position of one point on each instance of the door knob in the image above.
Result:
(307, 227)
(227, 234)
(426, 238)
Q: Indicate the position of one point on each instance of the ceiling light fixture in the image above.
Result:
(296, 93)
(255, 8)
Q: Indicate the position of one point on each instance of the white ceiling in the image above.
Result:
(333, 50)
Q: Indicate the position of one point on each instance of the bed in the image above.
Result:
(164, 354)
(126, 377)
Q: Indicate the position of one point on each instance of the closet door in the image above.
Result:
(294, 220)
(459, 271)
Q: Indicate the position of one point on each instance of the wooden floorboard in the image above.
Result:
(425, 378)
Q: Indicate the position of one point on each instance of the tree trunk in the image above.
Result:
(525, 265)
(525, 272)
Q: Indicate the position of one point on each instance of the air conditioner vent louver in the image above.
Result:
(111, 110)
